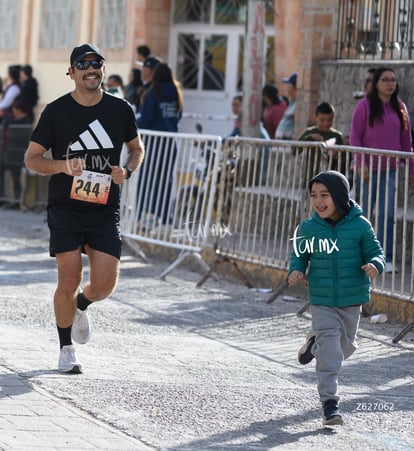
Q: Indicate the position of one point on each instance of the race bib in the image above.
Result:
(91, 187)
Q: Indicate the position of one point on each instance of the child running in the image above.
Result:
(339, 246)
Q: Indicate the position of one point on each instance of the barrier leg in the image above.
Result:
(218, 261)
(135, 248)
(209, 272)
(408, 328)
(282, 287)
(181, 257)
(203, 264)
(241, 275)
(303, 309)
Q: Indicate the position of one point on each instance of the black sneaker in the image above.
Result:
(331, 414)
(305, 354)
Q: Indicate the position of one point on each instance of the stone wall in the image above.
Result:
(340, 78)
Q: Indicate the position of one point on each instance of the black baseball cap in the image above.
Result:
(85, 49)
(150, 61)
(292, 79)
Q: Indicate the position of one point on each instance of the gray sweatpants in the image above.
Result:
(335, 340)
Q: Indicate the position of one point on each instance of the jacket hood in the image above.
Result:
(338, 187)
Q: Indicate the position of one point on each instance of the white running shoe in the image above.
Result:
(81, 327)
(68, 362)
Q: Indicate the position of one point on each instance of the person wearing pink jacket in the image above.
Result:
(380, 121)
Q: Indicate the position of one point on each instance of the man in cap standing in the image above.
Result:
(147, 74)
(85, 130)
(286, 125)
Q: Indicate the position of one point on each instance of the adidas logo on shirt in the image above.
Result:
(95, 137)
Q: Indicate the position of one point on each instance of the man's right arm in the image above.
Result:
(35, 161)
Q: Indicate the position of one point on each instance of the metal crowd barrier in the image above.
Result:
(13, 144)
(398, 202)
(264, 197)
(262, 202)
(171, 199)
(18, 187)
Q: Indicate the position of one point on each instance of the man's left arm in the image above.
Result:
(136, 153)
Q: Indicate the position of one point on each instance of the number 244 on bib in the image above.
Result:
(91, 187)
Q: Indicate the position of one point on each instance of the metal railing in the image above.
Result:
(268, 197)
(171, 200)
(375, 29)
(17, 186)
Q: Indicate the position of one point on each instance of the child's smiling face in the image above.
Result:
(323, 203)
(324, 121)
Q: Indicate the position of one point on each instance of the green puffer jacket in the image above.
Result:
(335, 256)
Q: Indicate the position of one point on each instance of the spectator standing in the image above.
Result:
(21, 115)
(286, 125)
(381, 121)
(162, 106)
(29, 88)
(134, 88)
(324, 132)
(367, 84)
(115, 86)
(11, 89)
(86, 130)
(143, 51)
(161, 110)
(236, 108)
(274, 107)
(369, 79)
(335, 301)
(147, 74)
(262, 165)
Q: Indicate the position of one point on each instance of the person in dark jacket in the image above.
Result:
(161, 110)
(147, 74)
(29, 89)
(339, 249)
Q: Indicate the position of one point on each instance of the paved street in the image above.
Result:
(175, 367)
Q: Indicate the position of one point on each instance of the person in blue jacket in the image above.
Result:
(339, 250)
(161, 110)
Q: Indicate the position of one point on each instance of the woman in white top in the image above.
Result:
(10, 92)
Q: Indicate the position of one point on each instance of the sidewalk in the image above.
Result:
(31, 418)
(173, 367)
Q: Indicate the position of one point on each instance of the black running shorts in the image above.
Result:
(73, 226)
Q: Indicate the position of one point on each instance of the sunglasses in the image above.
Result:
(83, 65)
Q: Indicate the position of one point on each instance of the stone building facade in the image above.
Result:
(302, 39)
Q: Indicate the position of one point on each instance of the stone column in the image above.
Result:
(305, 34)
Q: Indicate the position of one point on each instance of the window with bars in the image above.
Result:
(9, 13)
(112, 19)
(59, 24)
(220, 12)
(207, 72)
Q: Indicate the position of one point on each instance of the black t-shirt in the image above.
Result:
(95, 133)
